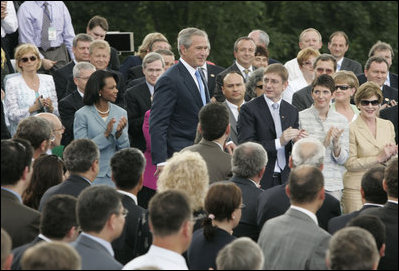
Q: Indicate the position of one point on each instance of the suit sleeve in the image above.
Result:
(218, 94)
(67, 114)
(298, 102)
(133, 113)
(246, 125)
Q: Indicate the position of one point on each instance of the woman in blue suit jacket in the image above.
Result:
(102, 121)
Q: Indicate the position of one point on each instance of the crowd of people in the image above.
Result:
(164, 163)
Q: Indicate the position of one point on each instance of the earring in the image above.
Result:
(99, 94)
(233, 217)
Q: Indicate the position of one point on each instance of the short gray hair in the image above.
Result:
(308, 151)
(263, 37)
(256, 76)
(152, 57)
(241, 254)
(248, 159)
(80, 154)
(81, 37)
(184, 37)
(82, 66)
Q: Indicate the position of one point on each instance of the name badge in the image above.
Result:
(52, 33)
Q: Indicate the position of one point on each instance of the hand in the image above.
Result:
(288, 135)
(387, 152)
(213, 100)
(37, 105)
(110, 125)
(121, 125)
(48, 64)
(302, 134)
(48, 104)
(336, 135)
(158, 171)
(230, 147)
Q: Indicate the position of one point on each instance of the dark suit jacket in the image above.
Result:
(393, 78)
(174, 113)
(351, 65)
(391, 113)
(114, 62)
(233, 125)
(134, 82)
(67, 108)
(255, 123)
(129, 62)
(135, 72)
(302, 99)
(389, 93)
(72, 186)
(389, 216)
(63, 80)
(275, 202)
(213, 71)
(19, 251)
(121, 85)
(218, 94)
(20, 221)
(250, 193)
(138, 101)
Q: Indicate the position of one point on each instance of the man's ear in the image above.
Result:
(287, 191)
(228, 129)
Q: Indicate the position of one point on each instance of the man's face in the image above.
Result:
(81, 81)
(152, 71)
(100, 58)
(233, 88)
(273, 86)
(160, 45)
(260, 61)
(81, 51)
(58, 131)
(321, 96)
(385, 54)
(324, 67)
(310, 39)
(377, 73)
(196, 54)
(338, 46)
(97, 33)
(245, 53)
(169, 61)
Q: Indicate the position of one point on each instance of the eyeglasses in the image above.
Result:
(52, 138)
(342, 87)
(26, 59)
(260, 86)
(366, 102)
(59, 129)
(307, 63)
(83, 78)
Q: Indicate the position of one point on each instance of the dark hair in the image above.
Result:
(304, 183)
(214, 119)
(325, 57)
(80, 154)
(168, 211)
(127, 167)
(35, 130)
(222, 199)
(261, 51)
(391, 178)
(372, 224)
(339, 33)
(98, 21)
(95, 83)
(372, 185)
(16, 154)
(324, 80)
(377, 59)
(240, 39)
(58, 216)
(47, 171)
(95, 205)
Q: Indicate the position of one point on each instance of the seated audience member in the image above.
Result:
(20, 221)
(38, 132)
(28, 93)
(389, 216)
(391, 114)
(6, 256)
(352, 248)
(346, 85)
(57, 130)
(223, 204)
(51, 256)
(168, 57)
(81, 160)
(332, 129)
(127, 167)
(294, 240)
(101, 217)
(171, 225)
(57, 223)
(373, 195)
(249, 163)
(214, 128)
(74, 101)
(48, 171)
(241, 254)
(254, 85)
(261, 57)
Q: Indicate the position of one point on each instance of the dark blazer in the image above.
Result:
(20, 221)
(138, 101)
(121, 85)
(174, 113)
(255, 123)
(19, 251)
(389, 216)
(135, 72)
(63, 80)
(134, 82)
(393, 78)
(233, 125)
(389, 93)
(129, 62)
(213, 71)
(351, 65)
(218, 94)
(275, 202)
(72, 186)
(339, 222)
(67, 108)
(302, 99)
(114, 62)
(391, 113)
(250, 193)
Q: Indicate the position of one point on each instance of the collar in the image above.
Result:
(256, 184)
(270, 102)
(130, 195)
(80, 93)
(316, 112)
(41, 236)
(104, 243)
(393, 201)
(150, 87)
(241, 68)
(373, 204)
(221, 147)
(339, 63)
(231, 105)
(307, 212)
(14, 193)
(190, 69)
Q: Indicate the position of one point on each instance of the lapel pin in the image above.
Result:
(212, 75)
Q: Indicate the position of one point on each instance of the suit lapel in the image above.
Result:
(364, 130)
(146, 95)
(77, 100)
(284, 116)
(98, 118)
(190, 84)
(263, 107)
(233, 122)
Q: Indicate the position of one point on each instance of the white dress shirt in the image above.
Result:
(234, 109)
(339, 64)
(130, 195)
(307, 212)
(241, 68)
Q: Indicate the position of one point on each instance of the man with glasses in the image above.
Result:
(57, 131)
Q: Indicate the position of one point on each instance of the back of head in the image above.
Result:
(6, 245)
(262, 37)
(80, 154)
(214, 119)
(168, 211)
(308, 151)
(95, 205)
(35, 130)
(51, 256)
(391, 178)
(16, 155)
(305, 182)
(58, 216)
(241, 254)
(127, 166)
(373, 225)
(248, 160)
(352, 248)
(372, 185)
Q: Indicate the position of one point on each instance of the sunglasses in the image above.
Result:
(260, 86)
(26, 59)
(373, 102)
(342, 87)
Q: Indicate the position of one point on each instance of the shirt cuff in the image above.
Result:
(278, 144)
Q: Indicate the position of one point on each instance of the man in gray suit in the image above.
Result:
(102, 217)
(294, 240)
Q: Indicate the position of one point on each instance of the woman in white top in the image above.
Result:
(27, 92)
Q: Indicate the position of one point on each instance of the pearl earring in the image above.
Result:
(233, 217)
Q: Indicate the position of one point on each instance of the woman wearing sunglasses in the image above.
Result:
(371, 142)
(27, 92)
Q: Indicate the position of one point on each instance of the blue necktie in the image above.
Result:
(45, 42)
(201, 87)
(277, 123)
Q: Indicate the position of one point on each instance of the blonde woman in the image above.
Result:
(346, 85)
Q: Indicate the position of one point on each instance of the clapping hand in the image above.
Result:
(121, 125)
(288, 135)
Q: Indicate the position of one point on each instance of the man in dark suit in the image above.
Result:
(249, 163)
(389, 216)
(138, 98)
(81, 160)
(274, 201)
(74, 101)
(244, 53)
(211, 71)
(391, 113)
(179, 95)
(373, 195)
(20, 221)
(338, 45)
(273, 123)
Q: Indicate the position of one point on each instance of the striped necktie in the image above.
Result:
(45, 42)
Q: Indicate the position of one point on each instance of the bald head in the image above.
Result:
(56, 127)
(307, 151)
